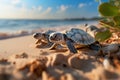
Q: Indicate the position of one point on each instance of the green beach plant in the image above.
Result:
(110, 11)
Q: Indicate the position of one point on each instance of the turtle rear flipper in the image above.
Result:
(71, 46)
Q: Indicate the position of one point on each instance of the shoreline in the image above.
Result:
(19, 33)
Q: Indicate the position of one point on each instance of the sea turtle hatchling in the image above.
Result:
(43, 38)
(93, 30)
(110, 50)
(73, 38)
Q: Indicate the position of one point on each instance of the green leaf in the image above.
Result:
(116, 20)
(105, 23)
(107, 9)
(102, 36)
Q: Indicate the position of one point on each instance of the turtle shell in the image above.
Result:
(79, 36)
(49, 32)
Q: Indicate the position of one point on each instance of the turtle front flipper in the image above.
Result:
(38, 41)
(53, 46)
(95, 47)
(71, 46)
(49, 44)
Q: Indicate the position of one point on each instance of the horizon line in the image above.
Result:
(48, 19)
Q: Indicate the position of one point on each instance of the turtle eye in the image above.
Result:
(55, 36)
(35, 35)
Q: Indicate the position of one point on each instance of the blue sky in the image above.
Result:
(48, 9)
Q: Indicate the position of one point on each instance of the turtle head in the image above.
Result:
(85, 25)
(56, 37)
(38, 35)
(91, 28)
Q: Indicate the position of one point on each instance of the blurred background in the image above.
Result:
(28, 15)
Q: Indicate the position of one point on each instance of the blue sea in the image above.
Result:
(12, 25)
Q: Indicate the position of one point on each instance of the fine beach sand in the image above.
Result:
(21, 60)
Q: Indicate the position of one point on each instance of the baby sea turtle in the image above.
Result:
(91, 29)
(73, 38)
(110, 50)
(43, 38)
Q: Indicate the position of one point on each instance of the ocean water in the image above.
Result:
(10, 25)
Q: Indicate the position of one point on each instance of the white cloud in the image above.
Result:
(61, 11)
(63, 8)
(11, 11)
(10, 1)
(1, 0)
(33, 7)
(84, 4)
(40, 14)
(15, 1)
(48, 10)
(81, 5)
(36, 12)
(39, 8)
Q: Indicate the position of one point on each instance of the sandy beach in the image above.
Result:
(17, 45)
(85, 45)
(21, 60)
